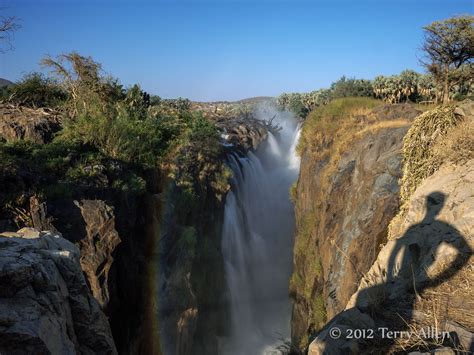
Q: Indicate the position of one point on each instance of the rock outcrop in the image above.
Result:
(99, 245)
(23, 123)
(45, 304)
(244, 133)
(112, 237)
(237, 122)
(91, 225)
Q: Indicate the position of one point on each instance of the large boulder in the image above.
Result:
(45, 304)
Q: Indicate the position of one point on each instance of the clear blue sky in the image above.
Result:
(226, 50)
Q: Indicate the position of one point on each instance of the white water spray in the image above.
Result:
(257, 241)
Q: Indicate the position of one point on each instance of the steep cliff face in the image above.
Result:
(345, 199)
(45, 304)
(386, 261)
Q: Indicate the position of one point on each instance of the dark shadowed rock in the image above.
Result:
(96, 249)
(91, 225)
(45, 304)
(353, 221)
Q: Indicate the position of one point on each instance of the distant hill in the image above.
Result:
(258, 99)
(250, 100)
(5, 82)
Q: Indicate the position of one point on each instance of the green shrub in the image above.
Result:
(126, 130)
(35, 90)
(130, 183)
(351, 87)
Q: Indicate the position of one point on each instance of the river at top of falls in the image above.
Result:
(257, 241)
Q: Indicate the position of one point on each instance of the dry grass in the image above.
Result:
(456, 147)
(453, 299)
(436, 137)
(373, 128)
(449, 303)
(418, 153)
(323, 124)
(425, 107)
(435, 311)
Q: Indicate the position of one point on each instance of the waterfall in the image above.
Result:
(257, 241)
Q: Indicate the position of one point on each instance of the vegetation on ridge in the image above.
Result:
(323, 124)
(111, 137)
(449, 52)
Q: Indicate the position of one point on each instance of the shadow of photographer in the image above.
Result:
(428, 254)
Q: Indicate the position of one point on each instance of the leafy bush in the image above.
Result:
(197, 164)
(351, 87)
(111, 136)
(408, 86)
(302, 104)
(125, 129)
(398, 88)
(35, 90)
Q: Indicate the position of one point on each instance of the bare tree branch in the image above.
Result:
(8, 25)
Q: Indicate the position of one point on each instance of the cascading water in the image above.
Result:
(257, 241)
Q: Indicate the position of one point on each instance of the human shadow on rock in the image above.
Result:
(413, 258)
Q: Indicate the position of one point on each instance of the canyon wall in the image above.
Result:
(344, 203)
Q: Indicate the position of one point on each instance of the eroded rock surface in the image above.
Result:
(244, 133)
(91, 225)
(97, 248)
(23, 123)
(45, 304)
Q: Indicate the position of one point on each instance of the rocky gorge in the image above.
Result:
(147, 273)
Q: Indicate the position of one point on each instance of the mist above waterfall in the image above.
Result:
(257, 239)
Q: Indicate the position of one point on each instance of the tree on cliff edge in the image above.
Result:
(449, 51)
